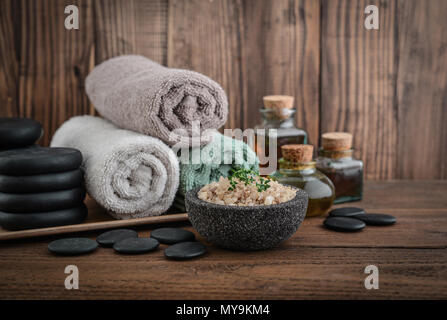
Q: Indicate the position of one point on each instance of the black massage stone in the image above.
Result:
(109, 238)
(172, 235)
(246, 228)
(18, 221)
(41, 202)
(344, 224)
(136, 245)
(346, 212)
(377, 219)
(185, 250)
(32, 161)
(72, 246)
(19, 132)
(28, 147)
(42, 182)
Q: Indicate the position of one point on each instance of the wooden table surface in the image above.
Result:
(315, 263)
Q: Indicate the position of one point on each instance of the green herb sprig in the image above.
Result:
(248, 177)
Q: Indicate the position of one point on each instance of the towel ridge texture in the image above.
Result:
(139, 94)
(216, 159)
(130, 174)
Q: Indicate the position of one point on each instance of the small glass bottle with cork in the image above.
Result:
(297, 169)
(278, 114)
(335, 161)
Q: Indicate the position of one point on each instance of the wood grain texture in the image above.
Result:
(53, 63)
(358, 75)
(252, 48)
(421, 91)
(9, 61)
(130, 27)
(282, 56)
(386, 86)
(314, 264)
(292, 272)
(205, 36)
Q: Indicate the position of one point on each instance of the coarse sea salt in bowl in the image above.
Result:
(246, 227)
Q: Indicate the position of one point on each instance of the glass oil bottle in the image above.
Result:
(278, 117)
(335, 161)
(297, 169)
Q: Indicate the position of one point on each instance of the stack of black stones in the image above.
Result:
(351, 219)
(39, 187)
(182, 244)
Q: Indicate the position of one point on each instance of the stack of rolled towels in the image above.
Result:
(137, 156)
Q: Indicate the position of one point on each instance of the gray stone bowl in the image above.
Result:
(246, 228)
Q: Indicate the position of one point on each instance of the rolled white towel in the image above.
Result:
(130, 174)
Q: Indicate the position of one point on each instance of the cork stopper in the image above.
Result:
(280, 105)
(336, 141)
(278, 102)
(297, 152)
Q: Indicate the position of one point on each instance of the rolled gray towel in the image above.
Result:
(138, 94)
(130, 174)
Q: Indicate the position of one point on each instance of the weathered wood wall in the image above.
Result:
(387, 87)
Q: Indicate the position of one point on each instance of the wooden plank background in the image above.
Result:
(387, 87)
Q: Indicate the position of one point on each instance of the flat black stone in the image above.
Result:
(344, 224)
(27, 147)
(185, 250)
(136, 245)
(72, 246)
(31, 161)
(109, 238)
(42, 182)
(18, 221)
(172, 235)
(19, 132)
(346, 212)
(41, 202)
(376, 219)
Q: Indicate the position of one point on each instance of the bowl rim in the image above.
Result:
(192, 194)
